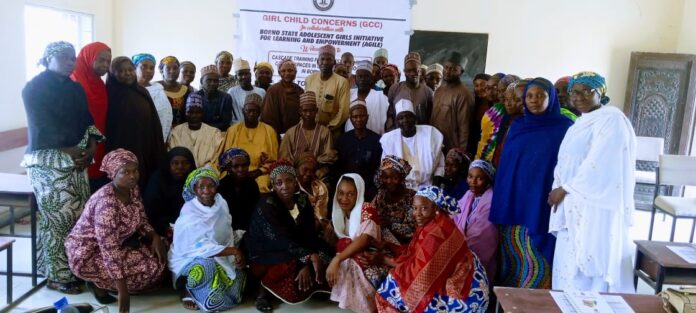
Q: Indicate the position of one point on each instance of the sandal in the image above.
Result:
(72, 288)
(189, 304)
(104, 297)
(263, 305)
(187, 301)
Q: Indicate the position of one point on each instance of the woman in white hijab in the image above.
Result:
(356, 224)
(204, 257)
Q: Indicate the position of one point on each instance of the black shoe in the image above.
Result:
(102, 299)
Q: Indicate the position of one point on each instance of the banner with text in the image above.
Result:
(273, 30)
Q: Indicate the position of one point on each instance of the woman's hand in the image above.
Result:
(318, 271)
(332, 271)
(158, 248)
(123, 297)
(255, 173)
(239, 259)
(304, 278)
(263, 158)
(370, 258)
(556, 196)
(78, 156)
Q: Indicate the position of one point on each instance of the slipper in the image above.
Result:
(189, 300)
(102, 299)
(72, 288)
(263, 305)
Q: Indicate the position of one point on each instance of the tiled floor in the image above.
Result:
(168, 301)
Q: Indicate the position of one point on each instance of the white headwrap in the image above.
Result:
(202, 232)
(338, 218)
(404, 105)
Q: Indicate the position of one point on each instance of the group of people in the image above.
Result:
(391, 196)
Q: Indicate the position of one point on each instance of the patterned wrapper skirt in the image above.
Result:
(210, 286)
(522, 264)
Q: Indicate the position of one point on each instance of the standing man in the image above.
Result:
(263, 71)
(239, 92)
(433, 76)
(348, 60)
(217, 105)
(332, 92)
(375, 101)
(381, 57)
(419, 94)
(453, 106)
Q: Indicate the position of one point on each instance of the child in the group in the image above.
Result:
(475, 206)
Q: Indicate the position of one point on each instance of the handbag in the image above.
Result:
(682, 300)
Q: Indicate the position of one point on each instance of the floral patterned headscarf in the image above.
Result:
(115, 160)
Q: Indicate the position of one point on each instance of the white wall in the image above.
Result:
(12, 30)
(12, 34)
(687, 36)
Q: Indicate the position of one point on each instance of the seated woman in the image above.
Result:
(454, 183)
(393, 200)
(112, 246)
(481, 235)
(282, 244)
(357, 226)
(237, 187)
(438, 272)
(162, 198)
(204, 257)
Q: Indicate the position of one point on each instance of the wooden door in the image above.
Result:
(660, 103)
(660, 98)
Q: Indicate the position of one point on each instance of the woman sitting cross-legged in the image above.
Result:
(356, 224)
(204, 257)
(112, 246)
(438, 272)
(282, 242)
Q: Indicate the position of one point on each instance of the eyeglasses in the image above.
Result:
(584, 92)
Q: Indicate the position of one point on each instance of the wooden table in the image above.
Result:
(520, 300)
(657, 265)
(6, 244)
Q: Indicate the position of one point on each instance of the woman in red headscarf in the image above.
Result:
(91, 64)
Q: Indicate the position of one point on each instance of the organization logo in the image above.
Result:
(323, 5)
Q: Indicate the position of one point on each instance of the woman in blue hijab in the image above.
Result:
(523, 182)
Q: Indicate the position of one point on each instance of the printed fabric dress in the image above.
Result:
(101, 247)
(397, 217)
(57, 117)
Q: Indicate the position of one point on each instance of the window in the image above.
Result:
(43, 25)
